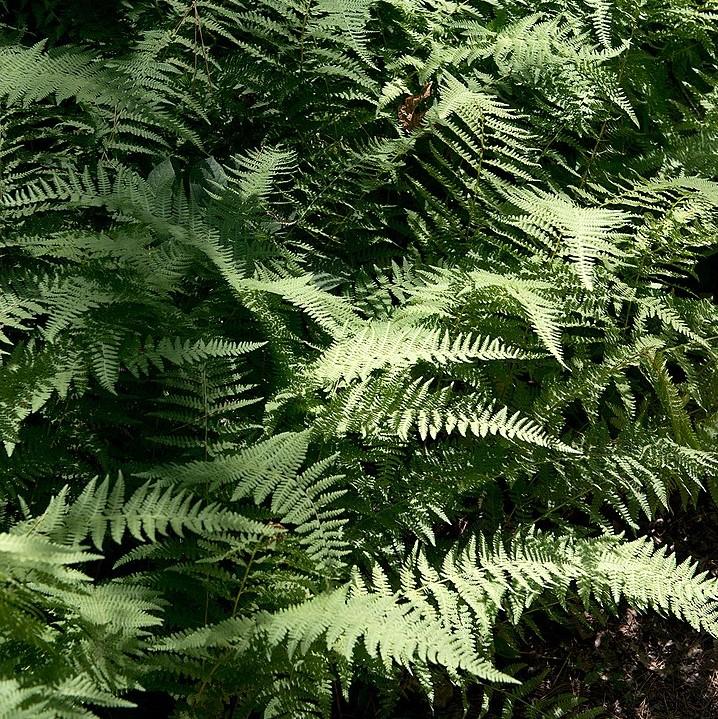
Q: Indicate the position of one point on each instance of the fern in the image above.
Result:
(395, 322)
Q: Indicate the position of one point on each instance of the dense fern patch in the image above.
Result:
(345, 344)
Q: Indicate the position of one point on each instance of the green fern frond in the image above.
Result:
(146, 514)
(396, 346)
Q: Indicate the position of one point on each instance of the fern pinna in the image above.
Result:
(377, 324)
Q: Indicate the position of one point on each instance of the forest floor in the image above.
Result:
(643, 666)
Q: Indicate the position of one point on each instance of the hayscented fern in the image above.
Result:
(339, 339)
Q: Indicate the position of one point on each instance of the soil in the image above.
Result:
(643, 666)
(638, 667)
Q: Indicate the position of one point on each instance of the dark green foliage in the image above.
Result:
(380, 319)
